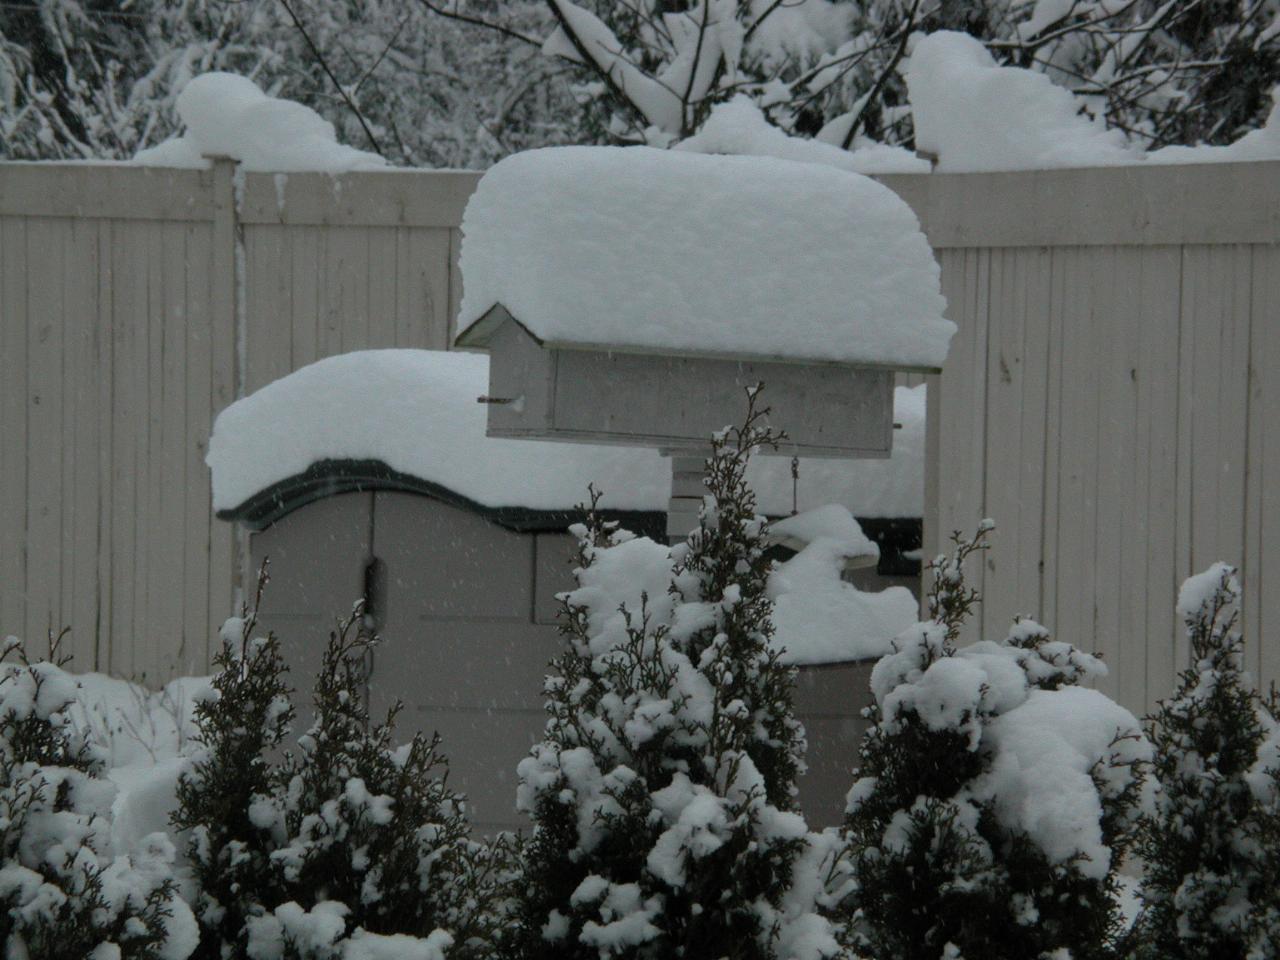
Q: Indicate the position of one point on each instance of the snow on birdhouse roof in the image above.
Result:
(408, 419)
(637, 249)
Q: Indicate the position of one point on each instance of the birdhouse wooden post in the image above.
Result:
(631, 296)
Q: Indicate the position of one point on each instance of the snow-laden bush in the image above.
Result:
(995, 797)
(370, 840)
(349, 848)
(243, 720)
(63, 895)
(663, 791)
(1212, 847)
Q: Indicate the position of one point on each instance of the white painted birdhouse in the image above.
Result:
(631, 296)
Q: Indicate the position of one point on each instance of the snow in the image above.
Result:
(677, 252)
(799, 30)
(739, 127)
(974, 115)
(137, 726)
(227, 115)
(145, 798)
(1045, 752)
(1261, 144)
(831, 521)
(1198, 590)
(416, 411)
(817, 617)
(657, 100)
(1056, 751)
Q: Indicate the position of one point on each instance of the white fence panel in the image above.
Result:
(1107, 398)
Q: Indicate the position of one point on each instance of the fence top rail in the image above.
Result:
(370, 198)
(1210, 203)
(1131, 205)
(106, 190)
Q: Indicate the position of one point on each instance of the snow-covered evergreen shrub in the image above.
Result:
(371, 843)
(243, 722)
(63, 896)
(351, 847)
(995, 797)
(663, 791)
(1212, 847)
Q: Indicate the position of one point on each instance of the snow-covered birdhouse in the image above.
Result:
(630, 295)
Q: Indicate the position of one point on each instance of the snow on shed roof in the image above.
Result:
(412, 416)
(634, 248)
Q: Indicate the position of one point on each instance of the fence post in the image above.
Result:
(227, 313)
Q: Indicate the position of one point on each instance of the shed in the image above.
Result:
(369, 475)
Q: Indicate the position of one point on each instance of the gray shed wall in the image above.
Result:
(466, 611)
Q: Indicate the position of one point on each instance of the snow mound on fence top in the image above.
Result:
(416, 412)
(668, 251)
(1260, 144)
(229, 116)
(974, 115)
(739, 127)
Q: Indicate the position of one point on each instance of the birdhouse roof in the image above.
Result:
(643, 250)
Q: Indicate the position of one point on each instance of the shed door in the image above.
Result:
(318, 557)
(466, 639)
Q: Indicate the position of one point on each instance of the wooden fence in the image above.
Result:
(1111, 399)
(1107, 398)
(135, 304)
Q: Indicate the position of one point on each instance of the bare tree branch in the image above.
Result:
(606, 76)
(903, 35)
(501, 28)
(315, 52)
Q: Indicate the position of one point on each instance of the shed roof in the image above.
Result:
(408, 420)
(632, 248)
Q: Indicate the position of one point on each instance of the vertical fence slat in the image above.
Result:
(14, 316)
(128, 316)
(1078, 463)
(347, 270)
(1262, 517)
(1015, 409)
(268, 291)
(962, 394)
(1213, 403)
(82, 374)
(1148, 555)
(169, 462)
(381, 297)
(1053, 375)
(431, 287)
(197, 511)
(1001, 468)
(1219, 313)
(105, 423)
(304, 305)
(224, 337)
(150, 586)
(1118, 509)
(45, 257)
